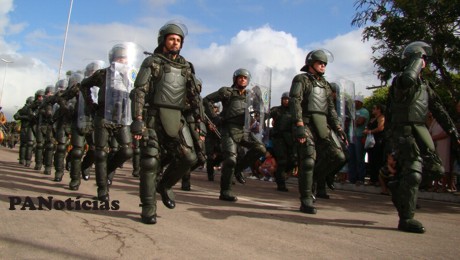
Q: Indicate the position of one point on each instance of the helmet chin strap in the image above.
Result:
(317, 72)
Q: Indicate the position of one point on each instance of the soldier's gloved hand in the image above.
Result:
(137, 127)
(299, 132)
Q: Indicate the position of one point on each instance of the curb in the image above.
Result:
(445, 196)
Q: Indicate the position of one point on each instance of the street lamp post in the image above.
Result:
(4, 78)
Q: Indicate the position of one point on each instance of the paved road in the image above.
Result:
(263, 224)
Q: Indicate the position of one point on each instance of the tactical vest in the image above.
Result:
(170, 90)
(283, 122)
(317, 100)
(413, 112)
(235, 109)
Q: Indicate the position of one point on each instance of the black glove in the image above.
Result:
(299, 132)
(137, 127)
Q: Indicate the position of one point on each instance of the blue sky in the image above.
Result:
(223, 36)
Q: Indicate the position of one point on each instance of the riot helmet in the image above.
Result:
(241, 72)
(49, 90)
(75, 78)
(217, 107)
(126, 53)
(61, 85)
(172, 27)
(413, 49)
(285, 99)
(285, 95)
(93, 66)
(39, 93)
(29, 100)
(322, 55)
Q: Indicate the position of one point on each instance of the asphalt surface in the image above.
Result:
(263, 224)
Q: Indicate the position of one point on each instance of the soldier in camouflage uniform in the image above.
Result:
(282, 140)
(63, 118)
(47, 129)
(316, 128)
(37, 114)
(26, 133)
(410, 99)
(232, 119)
(164, 82)
(81, 131)
(111, 113)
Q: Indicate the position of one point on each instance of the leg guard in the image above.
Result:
(75, 168)
(149, 169)
(39, 156)
(136, 158)
(406, 195)
(101, 172)
(59, 158)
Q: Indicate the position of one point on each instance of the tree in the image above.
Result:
(379, 96)
(395, 23)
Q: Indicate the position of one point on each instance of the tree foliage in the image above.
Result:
(396, 23)
(379, 96)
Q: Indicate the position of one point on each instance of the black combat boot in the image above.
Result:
(411, 225)
(307, 207)
(167, 195)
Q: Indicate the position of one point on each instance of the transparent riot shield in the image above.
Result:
(124, 61)
(258, 103)
(346, 106)
(84, 120)
(119, 83)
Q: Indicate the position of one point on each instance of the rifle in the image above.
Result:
(212, 126)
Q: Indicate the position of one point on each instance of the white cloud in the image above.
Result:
(280, 51)
(214, 64)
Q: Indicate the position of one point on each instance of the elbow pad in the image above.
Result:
(411, 72)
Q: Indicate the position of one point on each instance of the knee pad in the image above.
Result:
(61, 148)
(189, 157)
(39, 146)
(149, 164)
(230, 162)
(100, 155)
(413, 178)
(49, 146)
(126, 152)
(307, 164)
(30, 143)
(77, 153)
